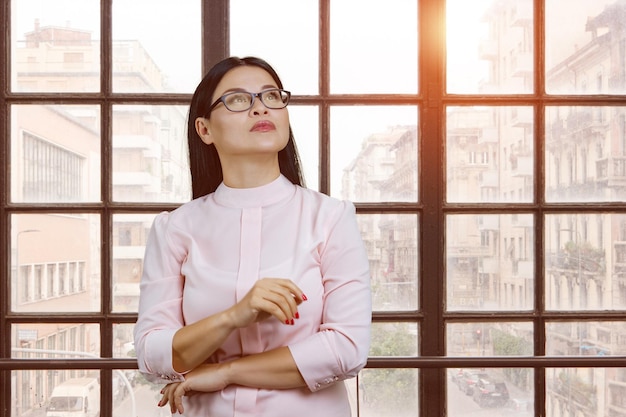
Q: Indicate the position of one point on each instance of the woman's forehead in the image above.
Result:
(245, 77)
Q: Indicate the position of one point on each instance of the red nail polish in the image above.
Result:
(287, 321)
(297, 315)
(292, 322)
(304, 297)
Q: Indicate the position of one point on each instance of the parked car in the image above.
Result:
(455, 375)
(490, 393)
(469, 379)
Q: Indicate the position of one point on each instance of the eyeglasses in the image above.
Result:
(238, 101)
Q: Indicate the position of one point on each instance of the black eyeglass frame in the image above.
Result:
(254, 97)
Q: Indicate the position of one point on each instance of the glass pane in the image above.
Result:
(130, 232)
(156, 46)
(585, 260)
(55, 341)
(374, 153)
(585, 154)
(585, 391)
(392, 248)
(150, 157)
(394, 339)
(55, 46)
(586, 55)
(304, 122)
(490, 262)
(388, 392)
(489, 154)
(55, 153)
(491, 392)
(290, 44)
(489, 46)
(373, 49)
(50, 277)
(56, 392)
(586, 338)
(489, 339)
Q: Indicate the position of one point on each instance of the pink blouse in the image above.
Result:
(204, 257)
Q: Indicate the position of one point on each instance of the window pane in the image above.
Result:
(150, 157)
(50, 277)
(304, 122)
(290, 44)
(490, 392)
(489, 339)
(55, 340)
(373, 153)
(489, 46)
(586, 55)
(490, 262)
(489, 154)
(130, 232)
(392, 248)
(156, 46)
(388, 392)
(39, 392)
(585, 153)
(373, 49)
(585, 261)
(55, 46)
(55, 152)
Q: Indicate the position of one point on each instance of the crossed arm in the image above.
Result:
(193, 344)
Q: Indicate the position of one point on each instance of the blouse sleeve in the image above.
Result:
(160, 304)
(340, 349)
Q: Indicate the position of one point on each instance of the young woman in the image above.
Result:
(255, 296)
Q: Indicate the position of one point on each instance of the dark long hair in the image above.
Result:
(204, 162)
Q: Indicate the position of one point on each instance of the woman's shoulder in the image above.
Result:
(324, 202)
(182, 215)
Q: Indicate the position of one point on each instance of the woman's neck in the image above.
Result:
(250, 174)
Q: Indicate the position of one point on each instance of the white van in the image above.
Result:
(79, 397)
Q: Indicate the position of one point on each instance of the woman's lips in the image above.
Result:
(263, 126)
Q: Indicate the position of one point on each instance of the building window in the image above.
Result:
(51, 173)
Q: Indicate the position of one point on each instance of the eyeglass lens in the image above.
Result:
(239, 101)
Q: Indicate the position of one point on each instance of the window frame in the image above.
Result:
(432, 209)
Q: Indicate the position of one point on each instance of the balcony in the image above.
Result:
(522, 13)
(612, 171)
(522, 117)
(523, 166)
(522, 65)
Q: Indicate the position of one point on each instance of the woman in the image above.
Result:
(255, 297)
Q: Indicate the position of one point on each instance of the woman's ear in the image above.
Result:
(202, 127)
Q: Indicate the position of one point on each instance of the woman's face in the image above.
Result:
(254, 132)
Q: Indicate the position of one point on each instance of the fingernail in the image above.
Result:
(159, 404)
(292, 322)
(304, 297)
(297, 315)
(287, 321)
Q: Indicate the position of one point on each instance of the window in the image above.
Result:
(482, 142)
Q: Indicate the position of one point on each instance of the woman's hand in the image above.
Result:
(168, 396)
(268, 297)
(205, 378)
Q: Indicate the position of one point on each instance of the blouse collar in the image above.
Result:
(262, 196)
